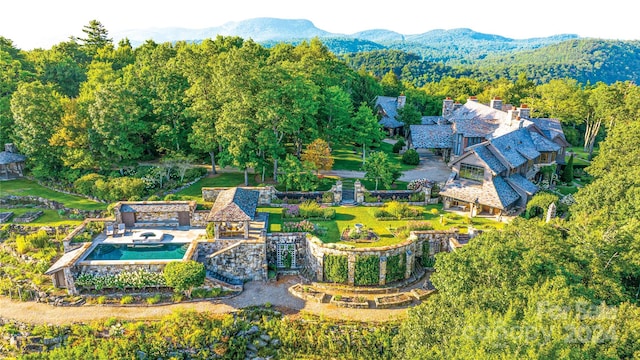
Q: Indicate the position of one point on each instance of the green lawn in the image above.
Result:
(24, 187)
(348, 216)
(580, 156)
(49, 218)
(566, 190)
(194, 192)
(349, 157)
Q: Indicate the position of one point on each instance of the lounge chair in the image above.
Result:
(110, 230)
(122, 229)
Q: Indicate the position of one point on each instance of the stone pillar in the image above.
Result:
(359, 192)
(351, 266)
(410, 260)
(337, 192)
(71, 284)
(383, 270)
(427, 194)
(551, 212)
(246, 229)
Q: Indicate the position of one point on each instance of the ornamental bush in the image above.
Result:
(336, 268)
(398, 146)
(183, 276)
(411, 157)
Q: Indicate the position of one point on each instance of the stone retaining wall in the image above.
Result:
(199, 218)
(114, 269)
(412, 247)
(14, 201)
(245, 261)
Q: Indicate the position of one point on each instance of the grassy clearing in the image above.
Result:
(566, 190)
(580, 156)
(194, 192)
(349, 157)
(349, 216)
(49, 218)
(24, 187)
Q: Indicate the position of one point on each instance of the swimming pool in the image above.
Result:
(127, 252)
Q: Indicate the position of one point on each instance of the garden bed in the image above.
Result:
(351, 302)
(389, 301)
(28, 216)
(5, 216)
(307, 292)
(422, 294)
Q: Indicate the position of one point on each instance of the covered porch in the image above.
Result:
(233, 213)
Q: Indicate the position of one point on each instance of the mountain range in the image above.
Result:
(436, 53)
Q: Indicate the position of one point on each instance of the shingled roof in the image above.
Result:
(496, 193)
(235, 204)
(516, 147)
(157, 206)
(435, 136)
(551, 129)
(389, 107)
(487, 156)
(519, 181)
(7, 157)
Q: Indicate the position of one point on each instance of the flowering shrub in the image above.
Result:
(291, 211)
(301, 226)
(419, 184)
(138, 279)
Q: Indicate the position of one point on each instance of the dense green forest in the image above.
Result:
(88, 109)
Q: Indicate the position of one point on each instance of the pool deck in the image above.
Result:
(171, 235)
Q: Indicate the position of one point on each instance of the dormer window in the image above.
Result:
(471, 172)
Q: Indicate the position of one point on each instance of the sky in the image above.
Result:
(43, 23)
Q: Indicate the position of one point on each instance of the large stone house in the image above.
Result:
(11, 162)
(495, 153)
(387, 109)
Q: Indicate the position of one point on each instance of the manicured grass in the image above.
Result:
(349, 157)
(371, 185)
(275, 218)
(580, 156)
(566, 190)
(194, 192)
(348, 216)
(49, 218)
(24, 187)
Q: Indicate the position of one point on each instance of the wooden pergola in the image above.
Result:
(232, 213)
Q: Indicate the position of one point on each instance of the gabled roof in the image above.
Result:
(519, 181)
(496, 193)
(11, 157)
(542, 143)
(68, 259)
(487, 156)
(389, 106)
(552, 129)
(235, 204)
(431, 136)
(516, 147)
(431, 120)
(157, 206)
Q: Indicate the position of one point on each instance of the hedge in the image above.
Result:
(336, 268)
(396, 267)
(367, 270)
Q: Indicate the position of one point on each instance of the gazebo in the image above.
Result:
(232, 213)
(11, 163)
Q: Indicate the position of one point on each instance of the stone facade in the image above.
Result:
(246, 260)
(199, 218)
(113, 269)
(168, 217)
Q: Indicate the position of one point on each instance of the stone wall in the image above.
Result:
(199, 218)
(316, 250)
(246, 260)
(299, 239)
(266, 193)
(113, 269)
(14, 201)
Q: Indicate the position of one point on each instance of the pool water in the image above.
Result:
(138, 252)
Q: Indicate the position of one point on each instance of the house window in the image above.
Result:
(473, 141)
(471, 172)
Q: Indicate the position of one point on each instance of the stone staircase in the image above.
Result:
(463, 239)
(348, 192)
(224, 281)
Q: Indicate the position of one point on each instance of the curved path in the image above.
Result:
(255, 293)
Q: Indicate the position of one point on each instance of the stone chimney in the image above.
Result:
(456, 106)
(525, 111)
(401, 101)
(496, 103)
(472, 98)
(512, 115)
(447, 108)
(10, 148)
